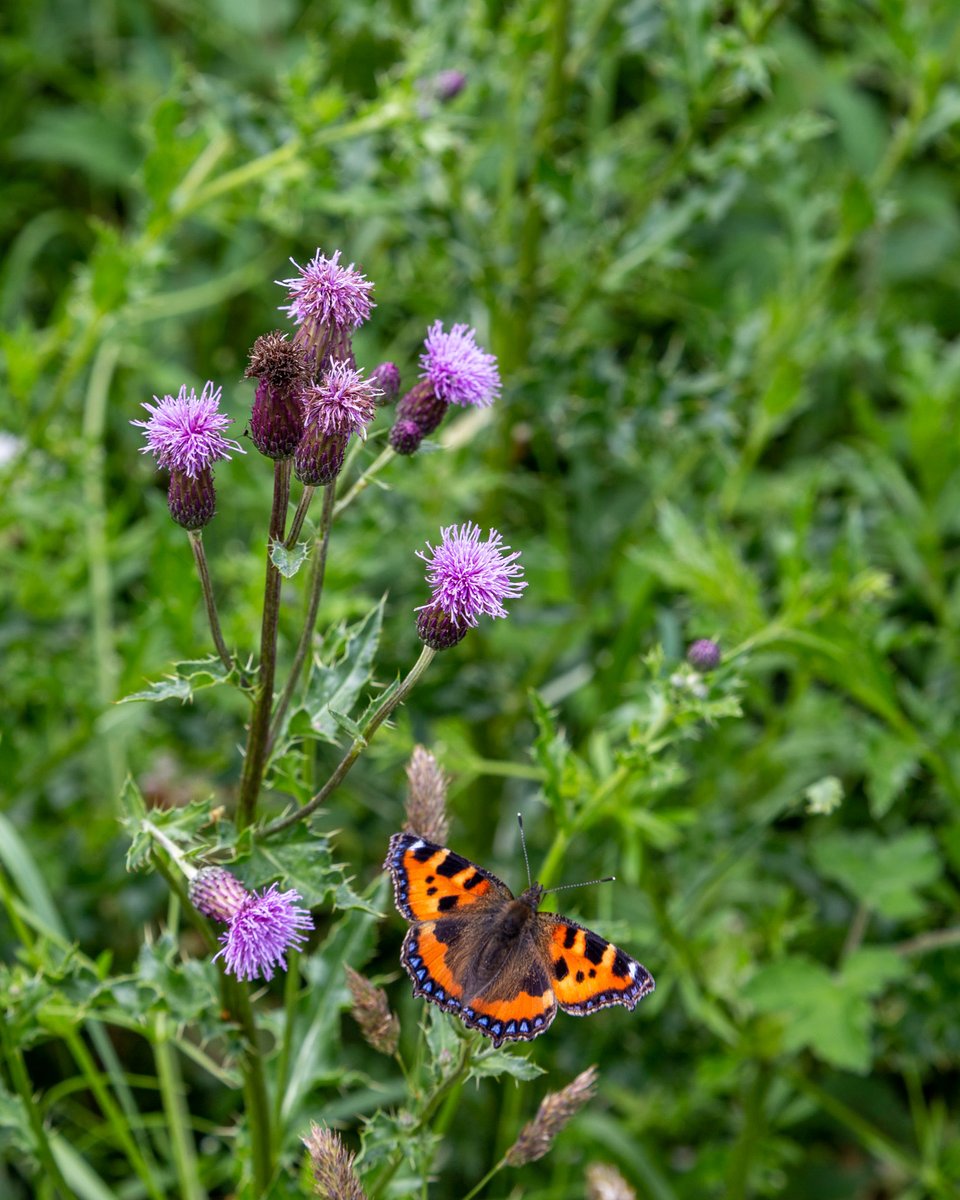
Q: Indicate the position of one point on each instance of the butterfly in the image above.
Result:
(503, 967)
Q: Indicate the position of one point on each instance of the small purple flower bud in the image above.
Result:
(406, 436)
(192, 501)
(437, 629)
(276, 423)
(422, 406)
(448, 84)
(320, 456)
(704, 655)
(327, 301)
(218, 894)
(387, 378)
(469, 578)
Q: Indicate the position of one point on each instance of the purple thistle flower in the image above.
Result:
(184, 433)
(260, 927)
(469, 578)
(704, 655)
(343, 401)
(328, 302)
(460, 372)
(448, 84)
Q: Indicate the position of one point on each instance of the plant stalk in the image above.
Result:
(200, 558)
(255, 759)
(389, 703)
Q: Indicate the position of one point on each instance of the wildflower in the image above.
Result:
(426, 797)
(379, 1025)
(448, 84)
(343, 403)
(185, 436)
(454, 371)
(556, 1109)
(260, 927)
(605, 1182)
(387, 378)
(327, 301)
(704, 655)
(469, 578)
(824, 796)
(333, 1172)
(276, 423)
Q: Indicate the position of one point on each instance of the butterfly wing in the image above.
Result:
(588, 972)
(517, 1005)
(430, 881)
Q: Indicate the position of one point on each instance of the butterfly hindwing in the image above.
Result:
(588, 972)
(430, 881)
(517, 1006)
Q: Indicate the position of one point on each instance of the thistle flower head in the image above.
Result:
(260, 927)
(406, 436)
(185, 432)
(704, 655)
(276, 359)
(334, 1175)
(459, 371)
(343, 402)
(426, 797)
(448, 84)
(556, 1109)
(470, 577)
(379, 1025)
(328, 294)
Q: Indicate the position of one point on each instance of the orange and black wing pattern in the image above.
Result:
(430, 881)
(517, 1006)
(588, 972)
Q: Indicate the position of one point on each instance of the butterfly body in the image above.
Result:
(492, 958)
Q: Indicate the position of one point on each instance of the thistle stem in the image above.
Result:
(255, 759)
(365, 479)
(313, 607)
(200, 558)
(387, 705)
(299, 517)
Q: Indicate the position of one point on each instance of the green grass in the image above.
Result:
(716, 250)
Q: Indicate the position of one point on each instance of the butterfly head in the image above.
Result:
(532, 896)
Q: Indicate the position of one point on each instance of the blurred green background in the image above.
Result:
(716, 248)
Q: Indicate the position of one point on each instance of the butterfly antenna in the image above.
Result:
(586, 883)
(523, 843)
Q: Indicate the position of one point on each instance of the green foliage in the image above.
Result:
(715, 249)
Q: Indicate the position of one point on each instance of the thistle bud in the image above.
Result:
(276, 423)
(406, 436)
(386, 377)
(192, 500)
(704, 655)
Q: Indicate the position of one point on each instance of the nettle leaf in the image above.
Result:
(289, 562)
(883, 874)
(334, 688)
(495, 1063)
(830, 1015)
(192, 675)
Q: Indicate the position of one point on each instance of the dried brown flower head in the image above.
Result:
(426, 797)
(379, 1025)
(556, 1109)
(333, 1173)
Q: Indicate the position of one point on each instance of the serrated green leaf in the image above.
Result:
(289, 562)
(180, 825)
(192, 676)
(505, 1062)
(883, 874)
(334, 689)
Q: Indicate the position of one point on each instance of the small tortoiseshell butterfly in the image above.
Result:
(476, 950)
